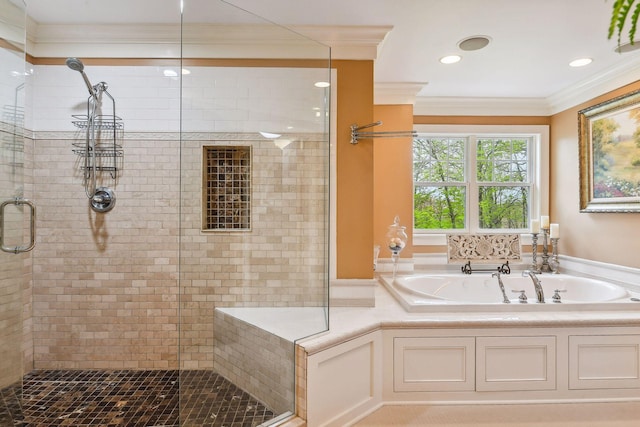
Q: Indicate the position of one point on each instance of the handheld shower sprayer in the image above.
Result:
(77, 65)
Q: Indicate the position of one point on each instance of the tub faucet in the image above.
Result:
(505, 300)
(536, 284)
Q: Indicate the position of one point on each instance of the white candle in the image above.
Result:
(554, 231)
(544, 221)
(535, 226)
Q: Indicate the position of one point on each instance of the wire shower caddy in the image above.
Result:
(109, 148)
(101, 148)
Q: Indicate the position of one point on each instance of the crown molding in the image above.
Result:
(347, 41)
(397, 93)
(459, 106)
(205, 41)
(103, 41)
(301, 42)
(610, 79)
(613, 78)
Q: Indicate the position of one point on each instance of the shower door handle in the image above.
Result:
(32, 227)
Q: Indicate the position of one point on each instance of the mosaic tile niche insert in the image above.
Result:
(227, 188)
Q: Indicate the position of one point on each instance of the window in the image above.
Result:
(479, 181)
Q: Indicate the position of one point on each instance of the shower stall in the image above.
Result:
(181, 304)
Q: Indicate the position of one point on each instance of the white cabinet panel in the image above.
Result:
(344, 380)
(604, 362)
(433, 364)
(515, 363)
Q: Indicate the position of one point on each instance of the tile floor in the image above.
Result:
(129, 399)
(615, 414)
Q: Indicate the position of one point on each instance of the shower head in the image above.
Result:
(77, 65)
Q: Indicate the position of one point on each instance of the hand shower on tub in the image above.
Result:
(101, 199)
(505, 299)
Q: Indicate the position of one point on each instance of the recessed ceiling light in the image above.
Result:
(322, 84)
(473, 43)
(580, 62)
(450, 59)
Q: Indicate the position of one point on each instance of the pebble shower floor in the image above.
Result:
(129, 399)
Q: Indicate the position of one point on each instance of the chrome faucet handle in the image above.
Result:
(556, 295)
(523, 297)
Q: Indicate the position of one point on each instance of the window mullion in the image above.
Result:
(533, 176)
(473, 211)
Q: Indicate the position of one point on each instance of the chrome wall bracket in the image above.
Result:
(356, 135)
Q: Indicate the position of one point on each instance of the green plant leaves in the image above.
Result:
(619, 14)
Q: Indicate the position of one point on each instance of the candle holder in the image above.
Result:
(545, 251)
(376, 254)
(554, 264)
(534, 253)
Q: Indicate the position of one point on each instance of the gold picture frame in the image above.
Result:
(609, 155)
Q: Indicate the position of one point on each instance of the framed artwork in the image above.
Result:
(609, 155)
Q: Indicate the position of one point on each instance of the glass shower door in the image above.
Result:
(254, 207)
(14, 213)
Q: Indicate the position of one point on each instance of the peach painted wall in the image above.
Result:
(392, 181)
(354, 197)
(604, 237)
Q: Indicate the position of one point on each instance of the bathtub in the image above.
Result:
(481, 292)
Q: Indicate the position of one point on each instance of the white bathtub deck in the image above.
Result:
(349, 322)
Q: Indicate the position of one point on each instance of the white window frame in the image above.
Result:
(539, 162)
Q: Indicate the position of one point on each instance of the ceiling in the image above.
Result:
(525, 63)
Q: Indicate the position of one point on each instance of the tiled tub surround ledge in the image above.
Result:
(385, 355)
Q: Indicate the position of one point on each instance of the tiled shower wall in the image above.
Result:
(279, 263)
(105, 285)
(106, 292)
